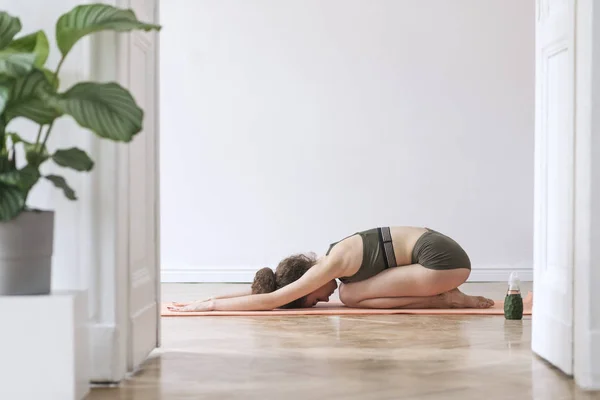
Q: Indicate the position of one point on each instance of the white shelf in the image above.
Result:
(44, 343)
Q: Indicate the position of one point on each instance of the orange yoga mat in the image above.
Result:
(340, 309)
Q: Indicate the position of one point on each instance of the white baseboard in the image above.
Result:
(246, 275)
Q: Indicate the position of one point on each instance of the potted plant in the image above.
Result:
(28, 89)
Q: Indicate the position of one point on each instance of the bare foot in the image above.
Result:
(457, 299)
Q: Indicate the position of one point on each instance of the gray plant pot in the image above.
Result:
(26, 245)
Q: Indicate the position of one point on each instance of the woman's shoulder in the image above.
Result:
(345, 255)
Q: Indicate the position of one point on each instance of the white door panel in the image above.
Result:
(143, 205)
(554, 183)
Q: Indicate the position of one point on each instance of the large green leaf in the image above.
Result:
(15, 64)
(12, 202)
(10, 178)
(105, 108)
(4, 95)
(89, 18)
(24, 178)
(28, 176)
(61, 183)
(36, 43)
(26, 100)
(73, 158)
(9, 27)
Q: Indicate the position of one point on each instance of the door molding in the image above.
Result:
(107, 296)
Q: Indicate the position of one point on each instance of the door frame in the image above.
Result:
(586, 203)
(125, 164)
(586, 302)
(157, 175)
(109, 277)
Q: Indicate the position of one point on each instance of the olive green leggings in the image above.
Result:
(437, 251)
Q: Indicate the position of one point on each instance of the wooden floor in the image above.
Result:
(347, 357)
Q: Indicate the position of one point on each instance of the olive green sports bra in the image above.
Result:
(378, 254)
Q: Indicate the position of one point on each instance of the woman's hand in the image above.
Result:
(203, 305)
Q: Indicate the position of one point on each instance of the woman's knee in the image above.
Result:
(448, 280)
(462, 274)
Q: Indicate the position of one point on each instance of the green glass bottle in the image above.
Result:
(513, 302)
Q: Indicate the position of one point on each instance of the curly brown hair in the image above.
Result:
(288, 270)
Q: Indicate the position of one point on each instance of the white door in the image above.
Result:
(552, 331)
(144, 268)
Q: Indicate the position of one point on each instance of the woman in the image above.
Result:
(397, 267)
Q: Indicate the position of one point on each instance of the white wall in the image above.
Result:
(289, 125)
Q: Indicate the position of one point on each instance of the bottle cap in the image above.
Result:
(513, 282)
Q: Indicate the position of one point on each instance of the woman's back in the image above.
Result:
(368, 252)
(404, 239)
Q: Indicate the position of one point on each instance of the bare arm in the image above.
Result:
(317, 276)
